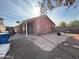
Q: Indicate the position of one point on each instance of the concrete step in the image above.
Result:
(4, 48)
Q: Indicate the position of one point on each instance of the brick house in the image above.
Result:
(37, 25)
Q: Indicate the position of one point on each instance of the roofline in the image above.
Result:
(24, 21)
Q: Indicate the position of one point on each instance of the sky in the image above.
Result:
(18, 10)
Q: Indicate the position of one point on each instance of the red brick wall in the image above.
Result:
(42, 26)
(22, 28)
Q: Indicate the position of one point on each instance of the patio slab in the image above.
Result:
(47, 42)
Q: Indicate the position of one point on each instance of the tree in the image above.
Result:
(62, 24)
(48, 5)
(17, 22)
(74, 23)
(1, 20)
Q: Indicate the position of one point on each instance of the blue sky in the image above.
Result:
(14, 10)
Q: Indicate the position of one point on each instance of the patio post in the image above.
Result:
(26, 30)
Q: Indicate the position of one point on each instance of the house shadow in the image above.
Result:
(65, 50)
(25, 49)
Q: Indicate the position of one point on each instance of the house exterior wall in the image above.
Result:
(43, 26)
(24, 28)
(21, 28)
(40, 25)
(16, 28)
(34, 27)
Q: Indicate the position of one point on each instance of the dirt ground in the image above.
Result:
(76, 37)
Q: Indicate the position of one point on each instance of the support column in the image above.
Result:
(26, 30)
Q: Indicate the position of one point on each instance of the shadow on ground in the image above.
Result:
(65, 51)
(24, 49)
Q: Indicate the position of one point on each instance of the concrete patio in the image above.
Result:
(48, 46)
